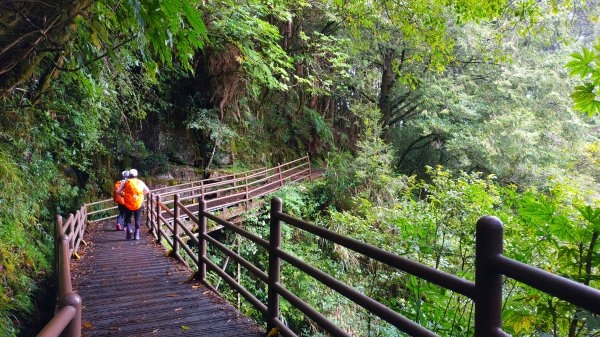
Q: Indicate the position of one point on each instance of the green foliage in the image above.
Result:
(171, 28)
(433, 222)
(368, 175)
(585, 66)
(246, 27)
(511, 119)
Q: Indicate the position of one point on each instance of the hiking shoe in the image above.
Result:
(137, 234)
(128, 236)
(119, 228)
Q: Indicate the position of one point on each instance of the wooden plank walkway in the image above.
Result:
(129, 288)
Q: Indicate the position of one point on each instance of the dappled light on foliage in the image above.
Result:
(421, 115)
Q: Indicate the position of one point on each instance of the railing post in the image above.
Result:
(158, 218)
(488, 282)
(274, 264)
(247, 197)
(57, 233)
(280, 176)
(149, 208)
(309, 167)
(175, 225)
(84, 218)
(202, 190)
(73, 329)
(72, 233)
(201, 241)
(65, 289)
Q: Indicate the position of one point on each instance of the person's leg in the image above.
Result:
(128, 214)
(138, 221)
(121, 217)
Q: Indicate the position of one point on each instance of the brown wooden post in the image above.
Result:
(247, 197)
(158, 218)
(149, 208)
(175, 225)
(280, 176)
(274, 264)
(57, 233)
(488, 282)
(71, 235)
(202, 190)
(73, 329)
(65, 288)
(239, 272)
(201, 241)
(84, 220)
(309, 167)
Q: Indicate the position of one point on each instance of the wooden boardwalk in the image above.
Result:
(129, 288)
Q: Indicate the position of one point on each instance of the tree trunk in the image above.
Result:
(388, 80)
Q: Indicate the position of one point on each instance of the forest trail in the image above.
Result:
(129, 288)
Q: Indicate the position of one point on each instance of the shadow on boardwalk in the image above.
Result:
(129, 288)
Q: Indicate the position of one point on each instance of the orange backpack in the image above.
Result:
(118, 199)
(134, 194)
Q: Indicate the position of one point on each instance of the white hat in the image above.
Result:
(125, 174)
(133, 173)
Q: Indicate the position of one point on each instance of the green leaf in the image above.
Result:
(185, 327)
(591, 215)
(585, 100)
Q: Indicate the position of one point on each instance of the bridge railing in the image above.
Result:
(234, 192)
(67, 238)
(485, 292)
(212, 187)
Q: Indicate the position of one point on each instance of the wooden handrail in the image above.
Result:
(486, 292)
(67, 321)
(202, 187)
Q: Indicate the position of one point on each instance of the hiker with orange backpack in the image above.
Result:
(133, 191)
(120, 201)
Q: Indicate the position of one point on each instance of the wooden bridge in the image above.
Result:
(129, 288)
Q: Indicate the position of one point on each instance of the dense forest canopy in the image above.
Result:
(427, 114)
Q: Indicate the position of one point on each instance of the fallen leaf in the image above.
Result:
(185, 327)
(87, 325)
(178, 309)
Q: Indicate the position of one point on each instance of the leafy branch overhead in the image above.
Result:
(41, 39)
(586, 65)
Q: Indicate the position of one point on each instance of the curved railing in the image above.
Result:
(485, 292)
(211, 187)
(68, 236)
(242, 192)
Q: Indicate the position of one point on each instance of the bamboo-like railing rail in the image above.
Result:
(69, 234)
(106, 209)
(67, 238)
(485, 292)
(239, 191)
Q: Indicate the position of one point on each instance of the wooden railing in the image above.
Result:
(243, 191)
(211, 187)
(485, 292)
(69, 234)
(67, 238)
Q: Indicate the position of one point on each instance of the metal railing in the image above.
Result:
(485, 292)
(67, 238)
